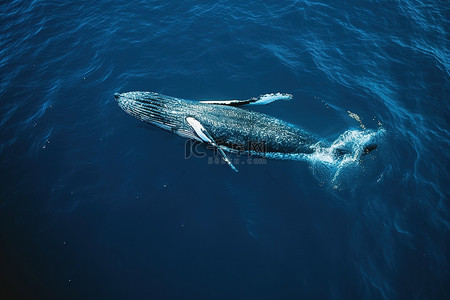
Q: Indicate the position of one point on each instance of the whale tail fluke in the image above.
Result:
(369, 148)
(339, 152)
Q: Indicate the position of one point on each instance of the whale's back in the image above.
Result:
(239, 128)
(235, 128)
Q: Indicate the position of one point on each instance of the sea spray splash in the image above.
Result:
(331, 165)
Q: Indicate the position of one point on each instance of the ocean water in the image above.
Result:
(95, 204)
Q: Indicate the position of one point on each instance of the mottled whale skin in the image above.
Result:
(226, 126)
(231, 127)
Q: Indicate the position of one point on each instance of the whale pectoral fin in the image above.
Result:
(204, 136)
(269, 98)
(261, 100)
(225, 158)
(229, 102)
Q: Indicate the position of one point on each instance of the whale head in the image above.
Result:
(163, 111)
(127, 102)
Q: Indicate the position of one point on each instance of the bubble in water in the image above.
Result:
(340, 162)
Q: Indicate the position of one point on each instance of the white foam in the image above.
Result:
(328, 167)
(353, 141)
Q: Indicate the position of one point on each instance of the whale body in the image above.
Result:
(224, 124)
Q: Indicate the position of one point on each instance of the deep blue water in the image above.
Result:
(95, 204)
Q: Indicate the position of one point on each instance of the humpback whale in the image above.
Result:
(225, 125)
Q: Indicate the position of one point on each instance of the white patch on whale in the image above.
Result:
(269, 98)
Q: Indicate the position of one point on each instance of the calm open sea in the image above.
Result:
(97, 205)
